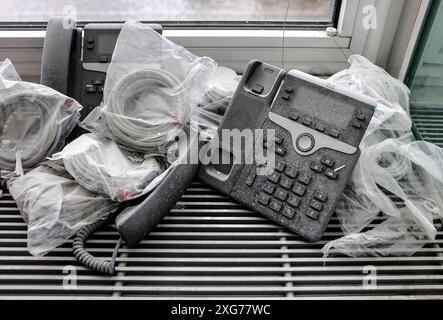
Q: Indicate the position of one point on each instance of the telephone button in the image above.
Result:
(280, 151)
(275, 177)
(250, 179)
(307, 121)
(280, 166)
(281, 194)
(90, 88)
(304, 178)
(305, 142)
(263, 199)
(357, 124)
(311, 213)
(291, 172)
(321, 196)
(331, 174)
(279, 139)
(275, 206)
(327, 161)
(320, 127)
(258, 89)
(294, 201)
(288, 212)
(286, 183)
(316, 167)
(335, 133)
(268, 188)
(299, 190)
(293, 116)
(316, 205)
(361, 116)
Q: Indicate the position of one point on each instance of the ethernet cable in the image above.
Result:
(36, 109)
(137, 133)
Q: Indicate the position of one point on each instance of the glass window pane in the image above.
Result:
(185, 11)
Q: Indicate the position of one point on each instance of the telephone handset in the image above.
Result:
(75, 62)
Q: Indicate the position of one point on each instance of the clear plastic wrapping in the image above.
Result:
(34, 120)
(151, 88)
(99, 165)
(54, 206)
(396, 178)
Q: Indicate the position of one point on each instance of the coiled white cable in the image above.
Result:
(96, 178)
(37, 109)
(100, 166)
(138, 132)
(395, 165)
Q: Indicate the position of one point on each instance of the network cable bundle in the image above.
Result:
(54, 206)
(222, 86)
(151, 87)
(99, 165)
(396, 177)
(34, 120)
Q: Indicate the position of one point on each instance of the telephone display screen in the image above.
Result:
(338, 113)
(106, 43)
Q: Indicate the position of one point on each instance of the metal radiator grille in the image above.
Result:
(210, 247)
(429, 120)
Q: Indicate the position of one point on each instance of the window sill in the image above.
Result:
(308, 50)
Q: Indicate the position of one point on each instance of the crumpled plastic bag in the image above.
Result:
(34, 120)
(54, 206)
(207, 117)
(151, 87)
(395, 176)
(99, 165)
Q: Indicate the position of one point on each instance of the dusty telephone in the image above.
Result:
(318, 130)
(75, 61)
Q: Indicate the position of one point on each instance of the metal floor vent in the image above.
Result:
(210, 247)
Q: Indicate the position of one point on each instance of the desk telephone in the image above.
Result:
(318, 129)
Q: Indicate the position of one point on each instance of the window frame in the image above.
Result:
(311, 51)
